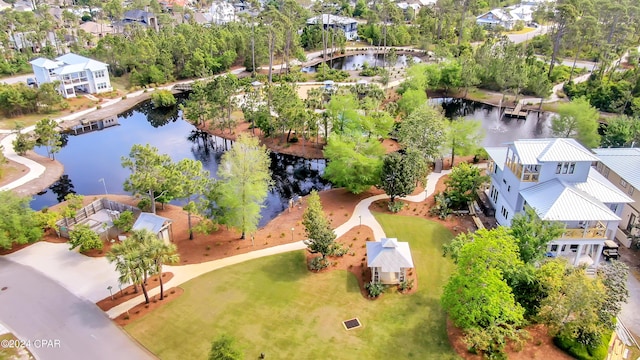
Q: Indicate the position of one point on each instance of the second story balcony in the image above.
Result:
(526, 173)
(592, 230)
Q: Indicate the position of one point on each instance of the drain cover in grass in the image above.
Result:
(351, 324)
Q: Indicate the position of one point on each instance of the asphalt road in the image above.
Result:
(56, 324)
(17, 79)
(518, 38)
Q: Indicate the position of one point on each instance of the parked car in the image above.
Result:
(31, 82)
(610, 250)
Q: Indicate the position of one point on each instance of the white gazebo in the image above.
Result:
(388, 260)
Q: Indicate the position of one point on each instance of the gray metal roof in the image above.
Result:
(623, 161)
(44, 63)
(558, 201)
(389, 255)
(498, 154)
(151, 222)
(328, 19)
(536, 151)
(602, 189)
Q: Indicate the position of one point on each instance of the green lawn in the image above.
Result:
(274, 305)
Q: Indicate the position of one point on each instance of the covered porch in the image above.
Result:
(577, 252)
(594, 229)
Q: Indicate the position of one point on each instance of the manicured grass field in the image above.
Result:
(274, 305)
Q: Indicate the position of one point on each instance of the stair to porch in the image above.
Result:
(591, 271)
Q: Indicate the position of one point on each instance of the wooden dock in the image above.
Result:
(517, 112)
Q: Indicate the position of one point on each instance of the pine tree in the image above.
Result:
(319, 232)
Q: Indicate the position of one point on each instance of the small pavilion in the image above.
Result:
(388, 260)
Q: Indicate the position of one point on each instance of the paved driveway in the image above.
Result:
(630, 315)
(17, 79)
(35, 308)
(83, 276)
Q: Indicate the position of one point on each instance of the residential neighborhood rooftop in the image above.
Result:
(556, 200)
(536, 151)
(623, 161)
(328, 19)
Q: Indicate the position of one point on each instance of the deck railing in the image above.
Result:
(596, 232)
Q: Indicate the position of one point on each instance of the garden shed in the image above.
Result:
(158, 225)
(388, 260)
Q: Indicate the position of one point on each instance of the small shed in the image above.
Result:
(388, 260)
(158, 225)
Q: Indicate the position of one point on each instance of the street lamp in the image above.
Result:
(110, 293)
(104, 184)
(292, 229)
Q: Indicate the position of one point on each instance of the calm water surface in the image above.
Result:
(92, 156)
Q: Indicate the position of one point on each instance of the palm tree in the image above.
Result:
(125, 256)
(161, 253)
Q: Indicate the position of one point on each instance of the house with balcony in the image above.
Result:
(348, 26)
(620, 166)
(555, 178)
(75, 73)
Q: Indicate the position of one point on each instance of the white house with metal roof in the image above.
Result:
(497, 17)
(74, 72)
(621, 167)
(555, 178)
(388, 260)
(348, 26)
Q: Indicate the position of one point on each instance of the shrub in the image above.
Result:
(82, 236)
(318, 263)
(144, 204)
(406, 285)
(395, 206)
(125, 221)
(581, 351)
(442, 207)
(163, 98)
(337, 249)
(375, 289)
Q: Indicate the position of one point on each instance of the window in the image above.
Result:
(504, 213)
(101, 86)
(630, 192)
(509, 188)
(565, 168)
(599, 167)
(504, 181)
(554, 248)
(623, 183)
(613, 207)
(606, 172)
(632, 222)
(494, 194)
(98, 74)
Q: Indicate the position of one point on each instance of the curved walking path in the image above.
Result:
(184, 273)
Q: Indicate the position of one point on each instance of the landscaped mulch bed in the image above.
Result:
(539, 346)
(143, 309)
(128, 293)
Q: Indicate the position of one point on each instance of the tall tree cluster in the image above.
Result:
(503, 279)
